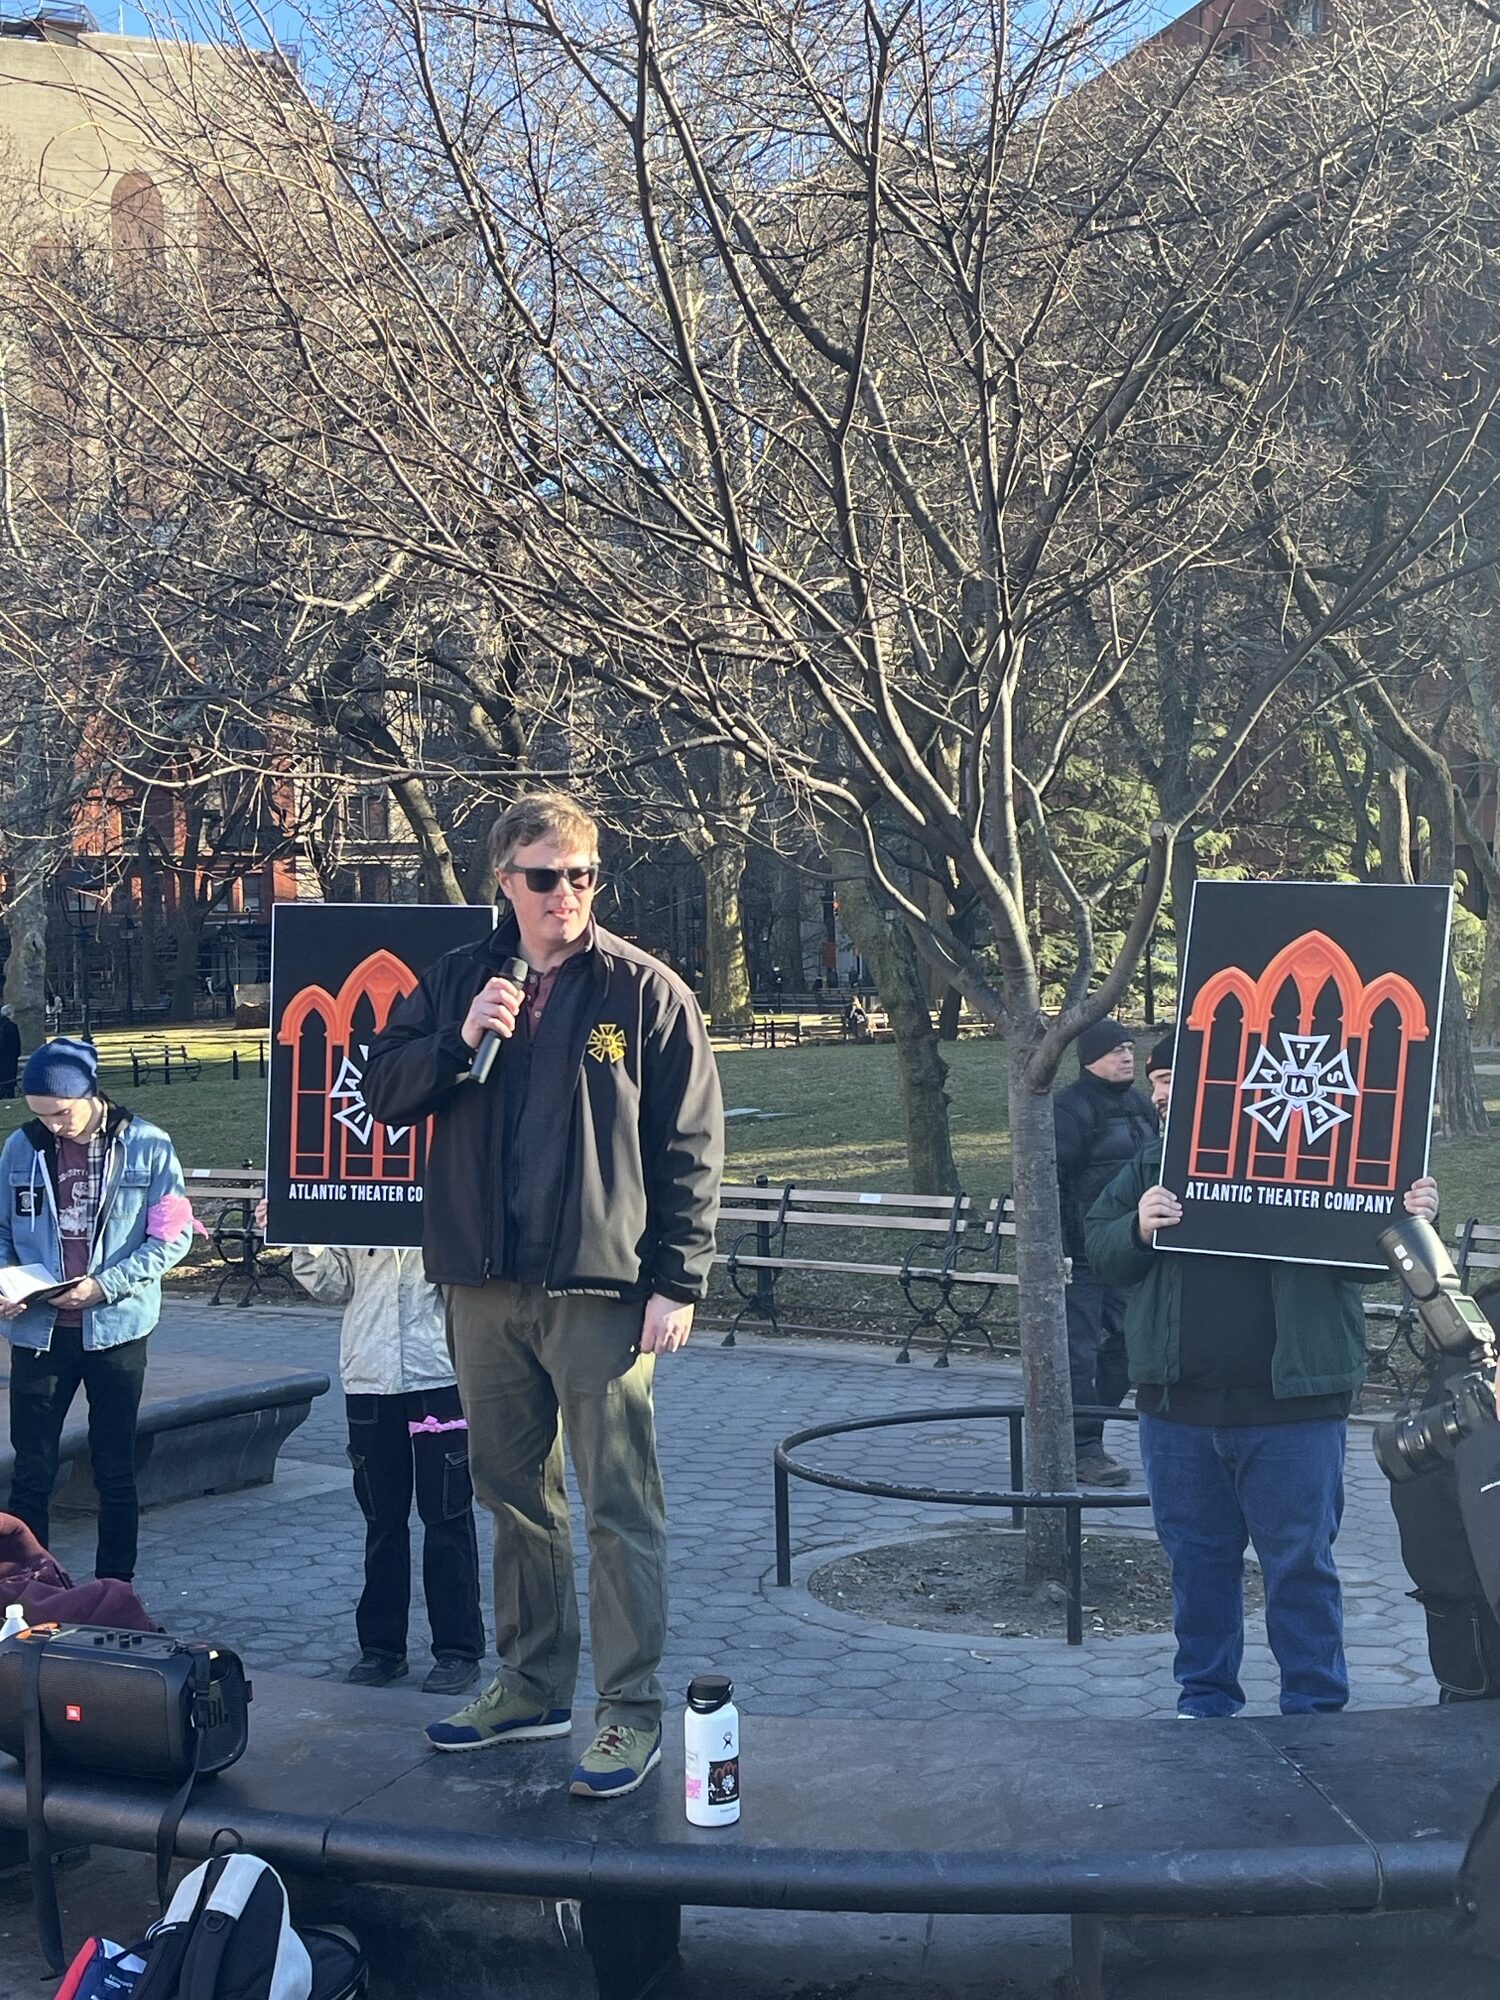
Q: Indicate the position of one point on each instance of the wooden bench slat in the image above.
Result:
(921, 1225)
(867, 1270)
(862, 1198)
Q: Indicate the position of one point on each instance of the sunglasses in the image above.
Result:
(542, 881)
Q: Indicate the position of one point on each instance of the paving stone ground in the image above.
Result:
(275, 1572)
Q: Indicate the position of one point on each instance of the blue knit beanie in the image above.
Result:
(63, 1068)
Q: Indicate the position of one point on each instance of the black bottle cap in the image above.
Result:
(706, 1692)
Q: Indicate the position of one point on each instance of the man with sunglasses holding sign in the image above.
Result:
(568, 1214)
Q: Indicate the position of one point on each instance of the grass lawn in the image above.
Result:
(828, 1114)
(216, 1122)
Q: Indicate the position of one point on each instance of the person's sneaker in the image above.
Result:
(451, 1674)
(618, 1759)
(1097, 1468)
(376, 1670)
(498, 1716)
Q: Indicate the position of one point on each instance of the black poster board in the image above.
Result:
(1304, 1067)
(333, 1175)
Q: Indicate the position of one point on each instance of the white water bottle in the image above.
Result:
(711, 1732)
(15, 1621)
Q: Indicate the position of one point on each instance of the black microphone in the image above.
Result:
(517, 971)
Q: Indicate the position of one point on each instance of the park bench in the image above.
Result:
(918, 1240)
(207, 1424)
(797, 1029)
(162, 1061)
(224, 1199)
(1476, 1252)
(1352, 1815)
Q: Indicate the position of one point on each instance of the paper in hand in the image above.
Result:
(30, 1284)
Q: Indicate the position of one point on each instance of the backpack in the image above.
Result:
(227, 1935)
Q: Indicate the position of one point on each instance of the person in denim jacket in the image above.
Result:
(94, 1194)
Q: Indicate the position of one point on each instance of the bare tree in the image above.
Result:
(855, 384)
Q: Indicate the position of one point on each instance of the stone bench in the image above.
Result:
(207, 1425)
(1350, 1815)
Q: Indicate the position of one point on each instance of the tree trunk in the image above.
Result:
(1459, 1094)
(440, 883)
(150, 930)
(950, 1011)
(786, 930)
(1395, 816)
(187, 935)
(1487, 1012)
(1183, 878)
(727, 971)
(479, 878)
(1046, 1383)
(26, 968)
(885, 944)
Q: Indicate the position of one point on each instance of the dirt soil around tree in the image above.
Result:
(973, 1580)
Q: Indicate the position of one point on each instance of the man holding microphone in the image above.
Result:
(568, 1214)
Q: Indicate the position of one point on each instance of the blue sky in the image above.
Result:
(286, 19)
(299, 23)
(201, 20)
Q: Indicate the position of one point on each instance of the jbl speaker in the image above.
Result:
(137, 1704)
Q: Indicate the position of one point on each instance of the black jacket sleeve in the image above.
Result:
(1073, 1139)
(683, 1148)
(416, 1061)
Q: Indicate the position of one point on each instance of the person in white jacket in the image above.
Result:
(406, 1435)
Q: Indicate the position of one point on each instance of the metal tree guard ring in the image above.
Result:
(785, 1468)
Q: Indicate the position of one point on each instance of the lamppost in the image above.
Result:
(81, 904)
(127, 946)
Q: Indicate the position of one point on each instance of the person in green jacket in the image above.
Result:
(1245, 1369)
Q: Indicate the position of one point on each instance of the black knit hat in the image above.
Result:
(1161, 1056)
(1099, 1040)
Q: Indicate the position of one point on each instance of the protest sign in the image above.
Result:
(1304, 1067)
(333, 1173)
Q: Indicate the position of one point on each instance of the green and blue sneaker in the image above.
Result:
(498, 1716)
(618, 1759)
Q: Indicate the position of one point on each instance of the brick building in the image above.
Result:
(159, 892)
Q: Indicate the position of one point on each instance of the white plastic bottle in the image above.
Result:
(711, 1731)
(15, 1621)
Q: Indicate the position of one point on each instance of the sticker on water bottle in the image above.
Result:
(724, 1782)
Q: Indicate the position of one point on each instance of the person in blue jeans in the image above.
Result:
(1245, 1370)
(92, 1195)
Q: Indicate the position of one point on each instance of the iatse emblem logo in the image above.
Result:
(1300, 1083)
(606, 1043)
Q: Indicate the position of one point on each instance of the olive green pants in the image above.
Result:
(532, 1369)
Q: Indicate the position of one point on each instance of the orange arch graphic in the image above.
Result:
(1403, 996)
(1309, 961)
(311, 1000)
(335, 1149)
(381, 978)
(1214, 992)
